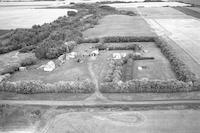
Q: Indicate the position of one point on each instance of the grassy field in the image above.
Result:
(69, 71)
(12, 58)
(159, 68)
(120, 25)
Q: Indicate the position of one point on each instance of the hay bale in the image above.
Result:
(50, 66)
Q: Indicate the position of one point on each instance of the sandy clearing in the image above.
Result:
(173, 121)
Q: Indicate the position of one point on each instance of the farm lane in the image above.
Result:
(97, 96)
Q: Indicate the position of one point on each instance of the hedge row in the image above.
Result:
(119, 47)
(150, 86)
(119, 39)
(179, 67)
(33, 87)
(115, 69)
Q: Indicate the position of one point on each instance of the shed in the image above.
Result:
(117, 56)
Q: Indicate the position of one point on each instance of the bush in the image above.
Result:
(34, 87)
(27, 49)
(119, 47)
(128, 39)
(10, 69)
(28, 61)
(129, 13)
(50, 49)
(9, 48)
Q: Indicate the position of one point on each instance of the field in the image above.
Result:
(159, 68)
(50, 119)
(127, 122)
(180, 28)
(25, 18)
(121, 26)
(148, 4)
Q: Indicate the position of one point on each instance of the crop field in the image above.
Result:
(26, 18)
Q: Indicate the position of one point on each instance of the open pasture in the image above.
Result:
(158, 68)
(69, 71)
(120, 25)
